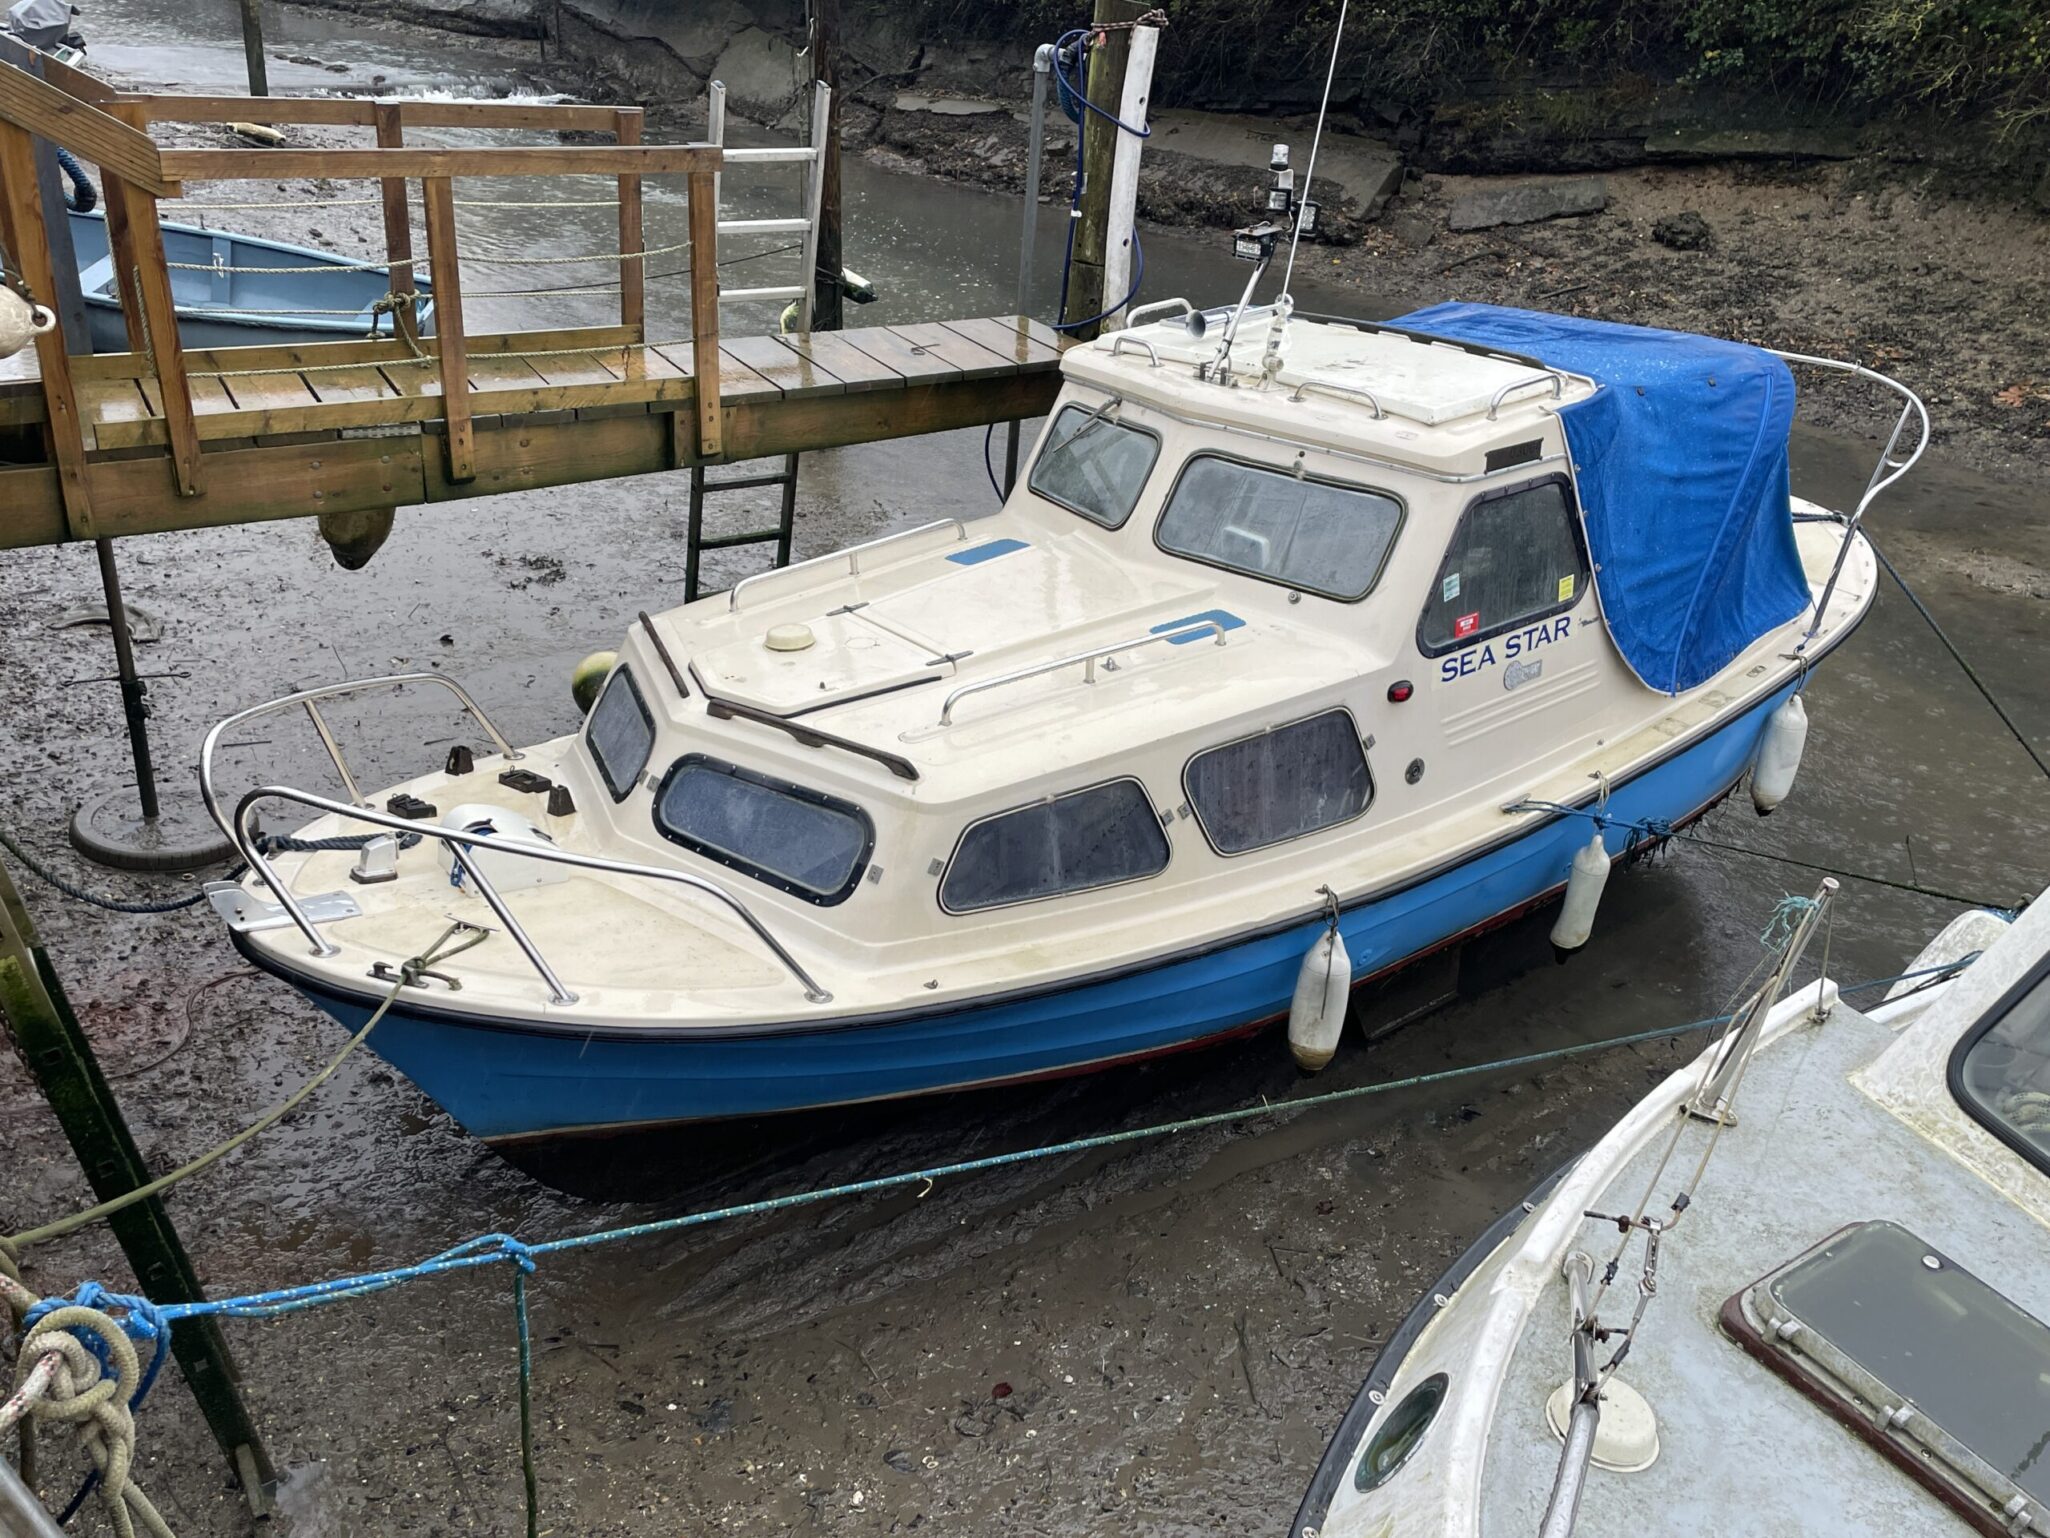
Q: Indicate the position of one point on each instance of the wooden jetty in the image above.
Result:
(158, 438)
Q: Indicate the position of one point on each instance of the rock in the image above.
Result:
(760, 72)
(1684, 232)
(899, 1460)
(1529, 202)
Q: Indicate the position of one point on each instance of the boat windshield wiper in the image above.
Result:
(1088, 424)
(810, 736)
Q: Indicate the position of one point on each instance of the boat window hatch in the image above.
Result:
(1103, 836)
(1517, 557)
(620, 733)
(2000, 1070)
(1281, 784)
(1095, 465)
(797, 840)
(1311, 535)
(1912, 1352)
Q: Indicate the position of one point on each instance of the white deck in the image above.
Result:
(1743, 1454)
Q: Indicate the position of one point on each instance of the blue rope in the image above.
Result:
(497, 1249)
(1779, 929)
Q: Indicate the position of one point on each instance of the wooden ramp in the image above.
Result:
(159, 438)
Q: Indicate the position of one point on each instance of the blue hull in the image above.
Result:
(509, 1082)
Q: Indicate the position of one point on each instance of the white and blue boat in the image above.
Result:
(1325, 623)
(232, 290)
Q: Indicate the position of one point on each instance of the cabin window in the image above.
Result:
(620, 733)
(1517, 556)
(1093, 465)
(1316, 536)
(1282, 784)
(1090, 838)
(792, 838)
(2000, 1071)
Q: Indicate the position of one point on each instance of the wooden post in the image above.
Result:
(448, 327)
(633, 279)
(47, 1035)
(145, 283)
(252, 49)
(1124, 175)
(829, 260)
(1106, 89)
(26, 239)
(398, 222)
(704, 311)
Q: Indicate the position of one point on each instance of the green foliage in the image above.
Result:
(1987, 58)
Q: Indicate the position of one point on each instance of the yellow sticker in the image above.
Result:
(1565, 588)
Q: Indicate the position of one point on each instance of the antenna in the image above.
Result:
(1310, 172)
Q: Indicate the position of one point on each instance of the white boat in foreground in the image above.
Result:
(1832, 1327)
(1324, 629)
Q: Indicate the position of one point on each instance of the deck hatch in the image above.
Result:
(1920, 1357)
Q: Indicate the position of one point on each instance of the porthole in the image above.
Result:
(1401, 1429)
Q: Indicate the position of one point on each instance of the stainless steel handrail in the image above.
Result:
(1332, 387)
(1089, 659)
(307, 699)
(851, 555)
(1556, 380)
(458, 839)
(1157, 306)
(1120, 341)
(1884, 474)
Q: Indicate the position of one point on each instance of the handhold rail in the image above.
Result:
(851, 555)
(308, 699)
(1885, 473)
(1332, 387)
(1550, 376)
(1119, 342)
(1089, 659)
(459, 839)
(1132, 316)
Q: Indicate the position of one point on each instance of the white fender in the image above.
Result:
(1583, 895)
(1779, 755)
(1316, 1015)
(20, 322)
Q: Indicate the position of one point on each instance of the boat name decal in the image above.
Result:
(1506, 648)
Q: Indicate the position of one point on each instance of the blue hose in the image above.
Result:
(1074, 103)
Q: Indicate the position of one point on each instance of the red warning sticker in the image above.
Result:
(1467, 624)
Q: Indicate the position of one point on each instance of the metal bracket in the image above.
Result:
(248, 915)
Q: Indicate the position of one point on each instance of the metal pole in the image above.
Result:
(21, 1514)
(1042, 67)
(57, 1054)
(252, 48)
(133, 690)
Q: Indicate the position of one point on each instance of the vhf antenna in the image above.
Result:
(1286, 215)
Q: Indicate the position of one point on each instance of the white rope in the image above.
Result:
(327, 267)
(327, 368)
(597, 256)
(551, 203)
(1316, 139)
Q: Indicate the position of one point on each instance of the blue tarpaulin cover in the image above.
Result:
(1681, 459)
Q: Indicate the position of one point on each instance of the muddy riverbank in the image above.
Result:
(1174, 1327)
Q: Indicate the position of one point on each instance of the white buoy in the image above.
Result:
(1316, 1015)
(1583, 895)
(1779, 755)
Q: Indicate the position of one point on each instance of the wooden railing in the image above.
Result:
(110, 128)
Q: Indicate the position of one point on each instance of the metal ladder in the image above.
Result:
(812, 158)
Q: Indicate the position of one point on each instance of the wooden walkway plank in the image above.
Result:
(1017, 338)
(111, 407)
(971, 358)
(790, 371)
(333, 386)
(918, 365)
(855, 369)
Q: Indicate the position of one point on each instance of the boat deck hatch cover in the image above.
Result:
(1914, 1353)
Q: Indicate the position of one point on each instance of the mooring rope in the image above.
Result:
(153, 1322)
(72, 889)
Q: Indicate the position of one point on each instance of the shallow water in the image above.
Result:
(1132, 1273)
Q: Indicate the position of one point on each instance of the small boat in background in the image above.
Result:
(235, 290)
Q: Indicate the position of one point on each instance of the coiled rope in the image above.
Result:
(72, 889)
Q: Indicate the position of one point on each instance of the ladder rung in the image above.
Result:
(770, 157)
(787, 291)
(763, 226)
(728, 541)
(742, 482)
